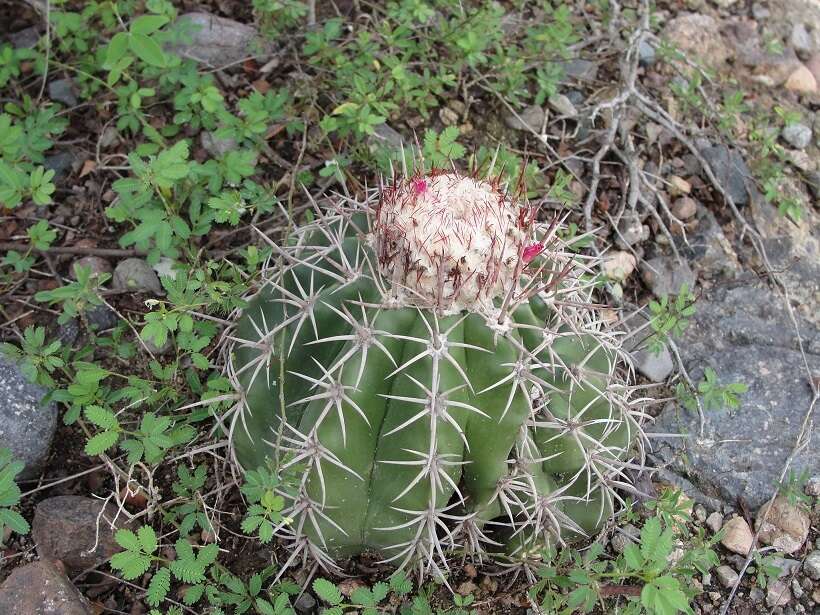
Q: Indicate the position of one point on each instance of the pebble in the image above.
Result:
(679, 185)
(811, 565)
(797, 591)
(730, 170)
(786, 566)
(62, 90)
(26, 426)
(530, 119)
(726, 576)
(385, 137)
(800, 39)
(646, 53)
(778, 594)
(618, 266)
(136, 275)
(699, 512)
(41, 588)
(631, 231)
(582, 70)
(714, 522)
(563, 105)
(215, 40)
(305, 604)
(797, 135)
(812, 486)
(71, 529)
(97, 265)
(665, 275)
(61, 163)
(783, 525)
(624, 536)
(738, 537)
(684, 208)
(216, 146)
(756, 595)
(655, 366)
(801, 81)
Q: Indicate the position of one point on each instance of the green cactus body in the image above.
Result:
(434, 402)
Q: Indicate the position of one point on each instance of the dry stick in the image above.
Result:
(6, 246)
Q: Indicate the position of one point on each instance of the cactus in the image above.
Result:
(430, 367)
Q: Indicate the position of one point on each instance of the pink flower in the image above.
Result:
(532, 250)
(419, 186)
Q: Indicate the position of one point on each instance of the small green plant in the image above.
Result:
(363, 599)
(10, 494)
(37, 359)
(792, 488)
(670, 317)
(714, 395)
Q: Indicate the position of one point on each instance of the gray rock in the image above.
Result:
(778, 594)
(61, 163)
(386, 137)
(96, 264)
(684, 207)
(813, 182)
(25, 39)
(665, 275)
(62, 90)
(797, 591)
(562, 105)
(305, 604)
(41, 588)
(811, 565)
(797, 135)
(75, 530)
(800, 39)
(136, 275)
(787, 567)
(631, 231)
(656, 367)
(580, 70)
(101, 318)
(714, 522)
(726, 576)
(216, 146)
(813, 486)
(624, 536)
(730, 171)
(530, 119)
(646, 53)
(745, 335)
(756, 595)
(26, 427)
(214, 40)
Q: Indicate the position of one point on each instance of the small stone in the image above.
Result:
(136, 275)
(700, 513)
(25, 39)
(684, 208)
(385, 137)
(62, 90)
(624, 536)
(646, 53)
(815, 596)
(72, 529)
(101, 318)
(812, 486)
(697, 35)
(447, 116)
(714, 522)
(726, 576)
(756, 595)
(665, 275)
(216, 146)
(800, 39)
(783, 525)
(530, 119)
(738, 537)
(214, 40)
(618, 266)
(164, 268)
(96, 264)
(166, 347)
(41, 588)
(305, 604)
(778, 594)
(786, 566)
(797, 135)
(801, 81)
(679, 185)
(730, 170)
(811, 565)
(801, 160)
(631, 231)
(26, 426)
(655, 366)
(61, 163)
(581, 70)
(797, 591)
(562, 105)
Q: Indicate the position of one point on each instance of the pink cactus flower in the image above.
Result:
(532, 250)
(419, 186)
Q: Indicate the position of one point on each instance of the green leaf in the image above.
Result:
(147, 50)
(101, 442)
(147, 24)
(147, 538)
(327, 591)
(116, 48)
(656, 543)
(663, 596)
(159, 587)
(14, 520)
(101, 417)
